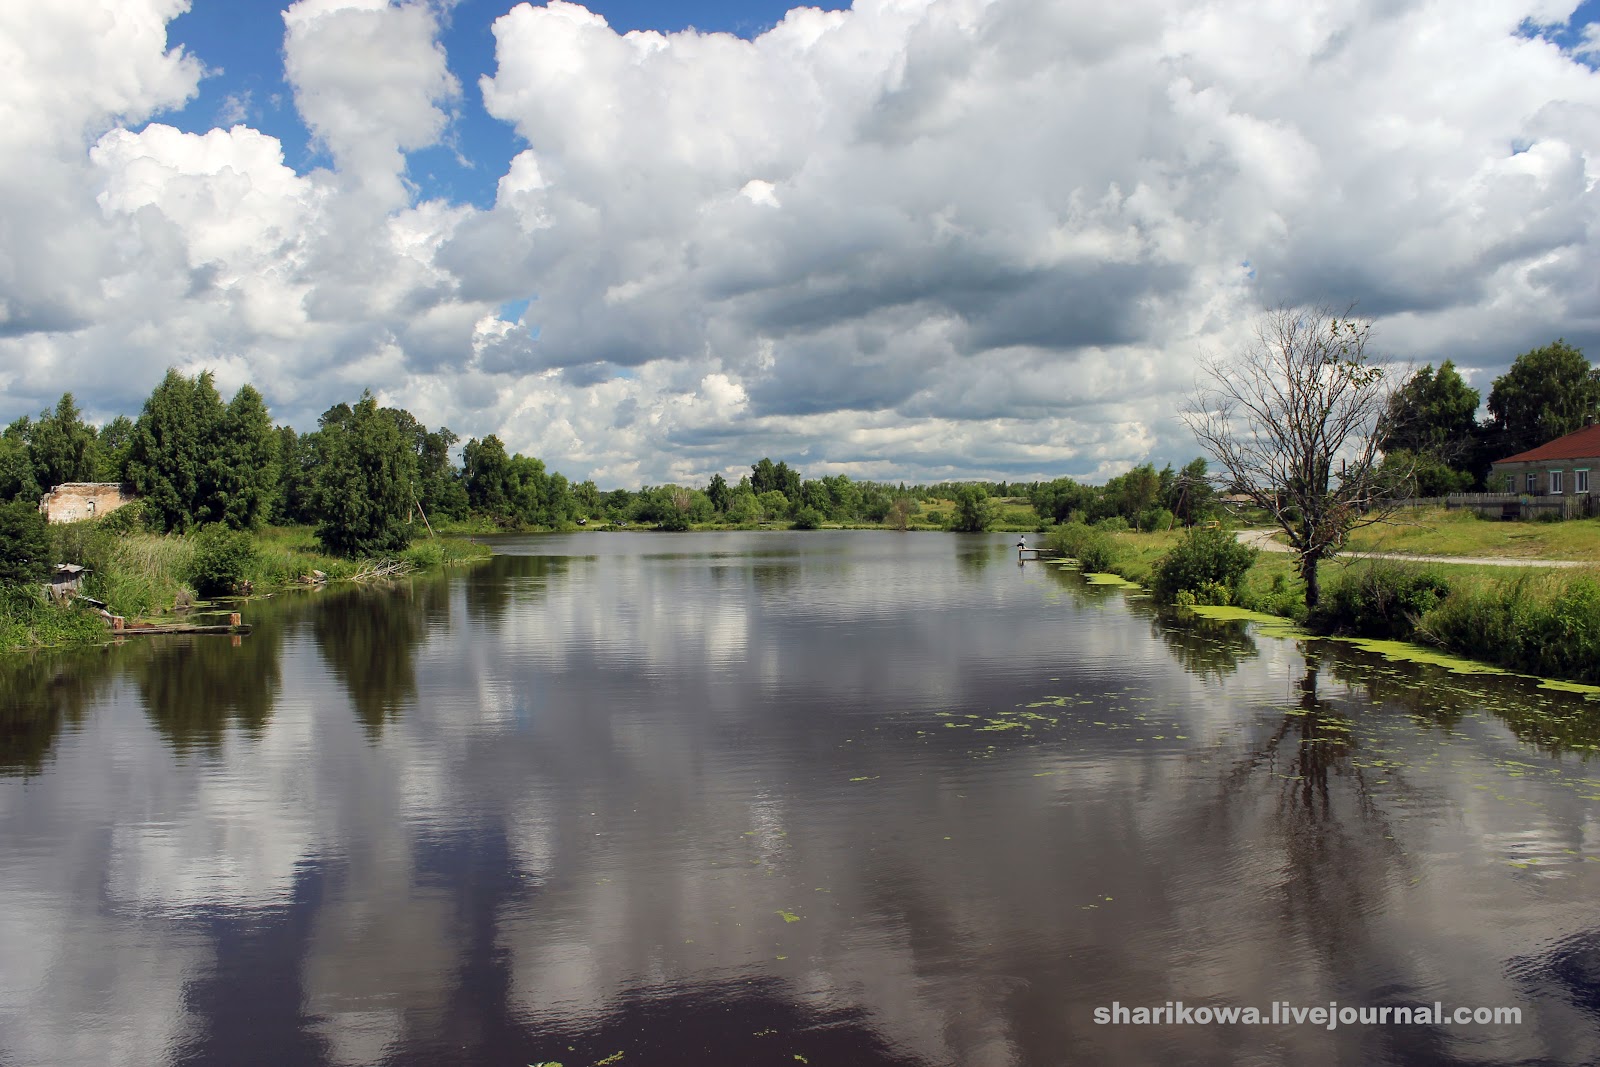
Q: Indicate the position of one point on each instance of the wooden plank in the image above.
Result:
(184, 628)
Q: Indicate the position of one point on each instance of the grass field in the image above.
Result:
(1436, 532)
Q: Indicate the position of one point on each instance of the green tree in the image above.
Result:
(1206, 563)
(1129, 495)
(1431, 425)
(788, 480)
(1192, 497)
(173, 442)
(24, 543)
(974, 511)
(116, 438)
(845, 498)
(242, 477)
(293, 503)
(1546, 394)
(772, 504)
(486, 470)
(61, 447)
(1059, 499)
(764, 477)
(362, 481)
(718, 492)
(806, 518)
(17, 480)
(1424, 474)
(1434, 413)
(439, 486)
(586, 499)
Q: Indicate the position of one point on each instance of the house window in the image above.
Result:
(1533, 481)
(1555, 482)
(1580, 479)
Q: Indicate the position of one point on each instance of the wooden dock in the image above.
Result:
(122, 628)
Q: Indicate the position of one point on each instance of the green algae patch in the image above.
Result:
(1569, 687)
(1118, 580)
(788, 916)
(1409, 653)
(1266, 625)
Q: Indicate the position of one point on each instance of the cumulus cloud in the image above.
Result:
(917, 238)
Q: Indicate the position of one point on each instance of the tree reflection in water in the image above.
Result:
(748, 1021)
(369, 637)
(490, 588)
(193, 687)
(1206, 648)
(39, 693)
(1552, 721)
(1569, 971)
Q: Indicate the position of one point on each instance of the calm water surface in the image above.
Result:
(775, 798)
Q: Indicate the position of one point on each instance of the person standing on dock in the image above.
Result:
(1022, 545)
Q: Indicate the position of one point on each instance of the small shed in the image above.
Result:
(66, 581)
(76, 501)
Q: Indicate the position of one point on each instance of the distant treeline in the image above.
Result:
(368, 474)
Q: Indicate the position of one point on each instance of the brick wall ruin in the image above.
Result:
(74, 501)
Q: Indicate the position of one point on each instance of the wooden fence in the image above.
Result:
(1510, 505)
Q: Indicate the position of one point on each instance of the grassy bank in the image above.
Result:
(1531, 620)
(144, 575)
(1437, 532)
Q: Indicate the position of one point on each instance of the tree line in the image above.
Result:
(369, 475)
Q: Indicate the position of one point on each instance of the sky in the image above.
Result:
(905, 240)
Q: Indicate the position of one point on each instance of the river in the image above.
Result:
(826, 798)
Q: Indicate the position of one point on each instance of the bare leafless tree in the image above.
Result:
(1293, 423)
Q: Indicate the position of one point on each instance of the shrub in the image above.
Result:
(1091, 546)
(424, 554)
(132, 517)
(1278, 599)
(223, 560)
(936, 518)
(1207, 564)
(806, 519)
(1152, 519)
(1112, 524)
(1382, 599)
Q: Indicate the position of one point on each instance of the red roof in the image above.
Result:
(1585, 444)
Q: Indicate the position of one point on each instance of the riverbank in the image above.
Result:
(1536, 620)
(154, 577)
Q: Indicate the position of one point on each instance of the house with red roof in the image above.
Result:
(1565, 467)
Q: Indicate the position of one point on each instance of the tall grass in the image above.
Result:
(1380, 599)
(28, 620)
(1543, 624)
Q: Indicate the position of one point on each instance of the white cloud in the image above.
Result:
(369, 78)
(72, 68)
(915, 238)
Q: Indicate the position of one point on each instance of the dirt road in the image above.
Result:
(1262, 539)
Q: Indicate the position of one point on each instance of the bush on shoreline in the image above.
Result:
(1382, 599)
(1207, 565)
(1093, 548)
